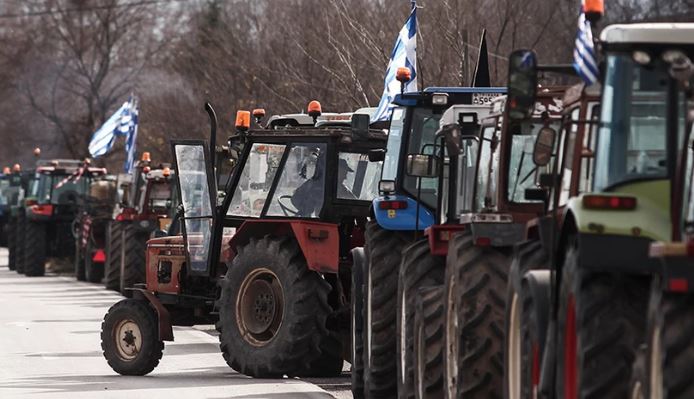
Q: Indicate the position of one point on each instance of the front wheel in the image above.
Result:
(601, 323)
(34, 249)
(358, 266)
(11, 244)
(273, 314)
(129, 338)
(428, 343)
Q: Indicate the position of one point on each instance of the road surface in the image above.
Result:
(50, 348)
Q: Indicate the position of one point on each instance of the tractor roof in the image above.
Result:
(456, 95)
(339, 132)
(65, 166)
(649, 33)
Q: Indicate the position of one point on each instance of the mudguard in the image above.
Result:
(163, 316)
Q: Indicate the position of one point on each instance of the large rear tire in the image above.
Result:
(457, 247)
(601, 323)
(358, 267)
(133, 252)
(419, 269)
(35, 249)
(669, 350)
(428, 343)
(273, 313)
(384, 252)
(20, 228)
(114, 245)
(129, 338)
(524, 335)
(483, 279)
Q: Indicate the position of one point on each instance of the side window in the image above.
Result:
(301, 186)
(688, 191)
(467, 165)
(589, 146)
(357, 178)
(566, 161)
(486, 185)
(255, 180)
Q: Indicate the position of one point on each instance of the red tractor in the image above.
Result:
(266, 256)
(146, 206)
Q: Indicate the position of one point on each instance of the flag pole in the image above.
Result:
(413, 6)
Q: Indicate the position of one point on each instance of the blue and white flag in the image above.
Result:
(122, 123)
(130, 147)
(404, 55)
(585, 62)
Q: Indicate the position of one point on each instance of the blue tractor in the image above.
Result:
(406, 206)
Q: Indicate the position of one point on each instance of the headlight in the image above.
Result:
(386, 187)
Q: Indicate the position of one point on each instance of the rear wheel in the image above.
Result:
(524, 339)
(418, 269)
(133, 253)
(429, 343)
(114, 244)
(34, 249)
(670, 352)
(384, 254)
(457, 247)
(273, 313)
(357, 297)
(601, 323)
(20, 228)
(79, 258)
(483, 279)
(129, 338)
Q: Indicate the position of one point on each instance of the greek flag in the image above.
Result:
(131, 139)
(585, 62)
(404, 55)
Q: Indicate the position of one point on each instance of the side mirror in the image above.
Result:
(377, 155)
(360, 125)
(544, 145)
(421, 165)
(522, 84)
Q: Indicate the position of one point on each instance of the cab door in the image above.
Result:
(195, 179)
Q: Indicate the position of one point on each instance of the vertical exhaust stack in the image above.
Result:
(481, 77)
(213, 131)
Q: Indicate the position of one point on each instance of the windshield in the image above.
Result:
(390, 165)
(255, 180)
(467, 166)
(632, 134)
(51, 191)
(4, 192)
(159, 196)
(423, 128)
(522, 170)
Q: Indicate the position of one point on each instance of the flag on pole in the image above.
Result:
(404, 55)
(130, 147)
(585, 62)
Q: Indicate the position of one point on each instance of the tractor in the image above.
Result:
(90, 228)
(49, 214)
(600, 272)
(483, 175)
(404, 208)
(146, 205)
(658, 371)
(266, 256)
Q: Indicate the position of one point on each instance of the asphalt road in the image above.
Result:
(50, 348)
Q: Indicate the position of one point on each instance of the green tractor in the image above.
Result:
(49, 214)
(592, 307)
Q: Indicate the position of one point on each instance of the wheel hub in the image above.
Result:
(128, 339)
(260, 307)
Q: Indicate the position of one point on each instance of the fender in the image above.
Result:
(319, 242)
(402, 219)
(537, 283)
(163, 317)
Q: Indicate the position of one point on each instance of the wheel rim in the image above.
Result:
(403, 337)
(452, 341)
(656, 369)
(128, 339)
(570, 342)
(514, 351)
(260, 307)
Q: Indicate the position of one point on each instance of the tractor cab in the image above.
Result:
(407, 201)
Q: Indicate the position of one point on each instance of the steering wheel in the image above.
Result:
(285, 209)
